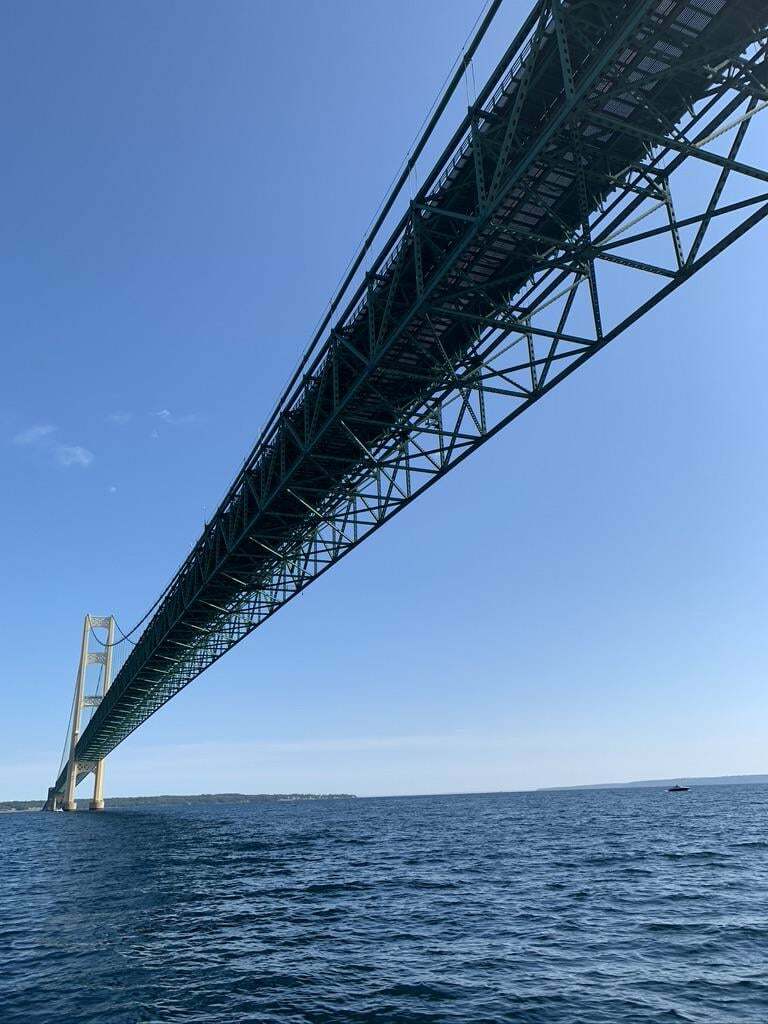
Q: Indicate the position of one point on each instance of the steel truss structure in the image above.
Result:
(553, 221)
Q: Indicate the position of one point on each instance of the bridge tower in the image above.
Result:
(103, 658)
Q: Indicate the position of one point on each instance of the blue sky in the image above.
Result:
(584, 600)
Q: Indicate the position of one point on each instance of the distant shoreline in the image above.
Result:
(685, 780)
(195, 798)
(8, 806)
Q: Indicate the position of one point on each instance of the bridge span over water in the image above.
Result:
(506, 272)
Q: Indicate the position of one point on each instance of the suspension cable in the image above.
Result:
(67, 738)
(126, 636)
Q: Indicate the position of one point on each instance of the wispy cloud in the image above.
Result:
(120, 418)
(175, 420)
(41, 437)
(34, 434)
(73, 455)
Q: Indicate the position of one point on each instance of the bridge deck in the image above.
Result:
(519, 182)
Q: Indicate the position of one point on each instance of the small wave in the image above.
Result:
(695, 855)
(526, 915)
(674, 926)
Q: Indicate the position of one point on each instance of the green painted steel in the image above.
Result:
(503, 276)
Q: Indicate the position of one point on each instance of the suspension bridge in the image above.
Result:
(600, 167)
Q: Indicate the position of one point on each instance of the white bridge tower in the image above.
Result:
(82, 699)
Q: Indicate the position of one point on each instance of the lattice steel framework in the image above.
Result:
(561, 212)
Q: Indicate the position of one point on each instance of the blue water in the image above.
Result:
(621, 906)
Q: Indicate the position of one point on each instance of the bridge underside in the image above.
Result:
(558, 215)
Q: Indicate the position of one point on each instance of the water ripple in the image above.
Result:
(553, 908)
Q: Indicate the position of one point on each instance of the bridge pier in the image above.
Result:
(97, 802)
(52, 801)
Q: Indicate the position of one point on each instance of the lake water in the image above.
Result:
(541, 908)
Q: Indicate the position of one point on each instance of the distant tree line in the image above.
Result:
(196, 798)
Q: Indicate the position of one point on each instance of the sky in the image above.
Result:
(582, 601)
